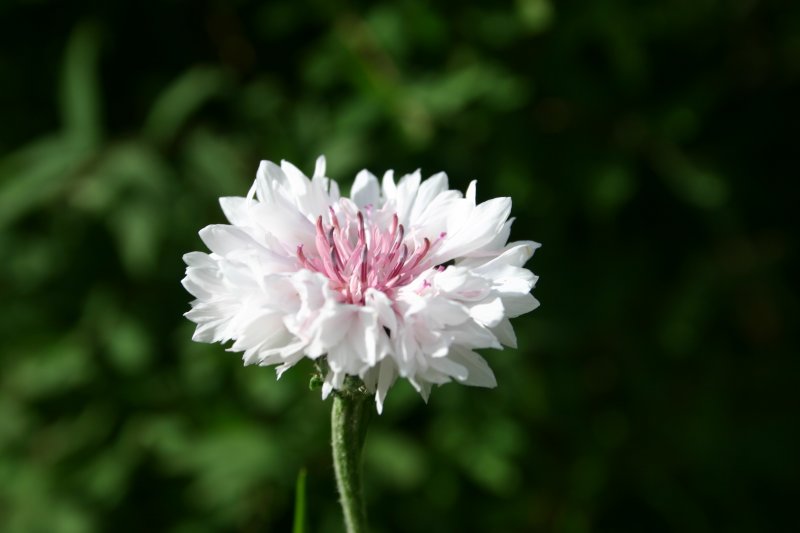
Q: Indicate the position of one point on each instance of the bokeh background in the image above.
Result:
(650, 146)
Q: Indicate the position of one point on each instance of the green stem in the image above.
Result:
(349, 417)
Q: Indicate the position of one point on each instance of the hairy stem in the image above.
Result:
(349, 417)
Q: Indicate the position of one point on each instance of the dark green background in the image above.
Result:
(650, 146)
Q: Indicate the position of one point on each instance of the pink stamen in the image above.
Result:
(337, 271)
(302, 257)
(357, 254)
(334, 218)
(399, 266)
(364, 258)
(419, 254)
(362, 234)
(401, 231)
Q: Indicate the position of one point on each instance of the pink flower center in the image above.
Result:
(355, 256)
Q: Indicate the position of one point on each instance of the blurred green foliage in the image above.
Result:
(649, 146)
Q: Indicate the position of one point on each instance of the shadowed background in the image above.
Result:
(648, 146)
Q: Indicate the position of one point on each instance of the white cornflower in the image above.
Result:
(401, 279)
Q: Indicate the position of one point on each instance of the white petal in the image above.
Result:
(368, 334)
(333, 191)
(406, 195)
(428, 191)
(365, 190)
(198, 259)
(329, 329)
(386, 377)
(439, 311)
(269, 178)
(489, 313)
(519, 304)
(515, 254)
(260, 330)
(203, 281)
(289, 362)
(432, 221)
(505, 333)
(470, 333)
(237, 210)
(238, 245)
(327, 386)
(480, 375)
(310, 197)
(424, 389)
(471, 192)
(297, 181)
(319, 167)
(478, 230)
(450, 368)
(382, 305)
(222, 239)
(286, 223)
(459, 283)
(388, 185)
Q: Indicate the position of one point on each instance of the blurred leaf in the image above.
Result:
(394, 459)
(262, 99)
(138, 231)
(124, 171)
(202, 367)
(230, 465)
(166, 434)
(450, 92)
(80, 87)
(35, 174)
(612, 187)
(215, 166)
(696, 186)
(51, 369)
(105, 477)
(33, 263)
(488, 460)
(129, 344)
(71, 434)
(260, 388)
(536, 15)
(122, 335)
(15, 422)
(187, 94)
(35, 505)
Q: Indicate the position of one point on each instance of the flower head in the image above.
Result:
(402, 279)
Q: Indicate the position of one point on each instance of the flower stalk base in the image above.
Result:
(349, 418)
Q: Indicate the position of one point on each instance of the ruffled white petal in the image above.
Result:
(470, 232)
(478, 372)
